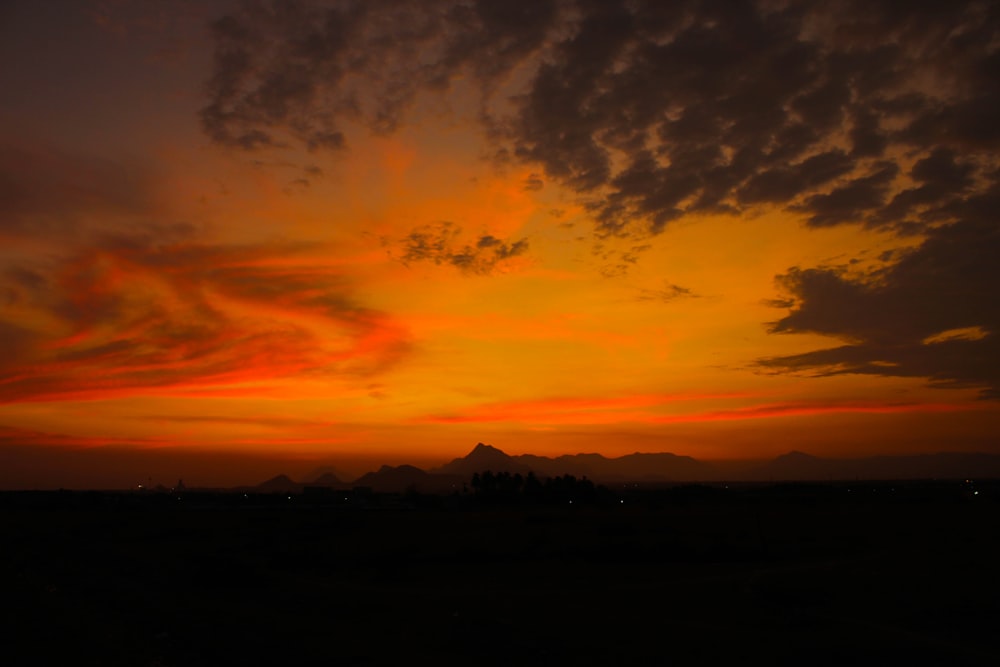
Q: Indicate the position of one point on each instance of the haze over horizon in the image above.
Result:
(238, 239)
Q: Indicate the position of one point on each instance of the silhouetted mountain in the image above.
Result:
(327, 479)
(279, 484)
(634, 467)
(654, 467)
(482, 457)
(323, 471)
(660, 466)
(666, 467)
(797, 465)
(543, 466)
(399, 479)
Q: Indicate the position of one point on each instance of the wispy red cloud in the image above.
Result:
(643, 409)
(270, 422)
(17, 436)
(131, 317)
(569, 410)
(810, 409)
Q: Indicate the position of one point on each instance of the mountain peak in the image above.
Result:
(482, 448)
(280, 479)
(281, 483)
(482, 457)
(485, 455)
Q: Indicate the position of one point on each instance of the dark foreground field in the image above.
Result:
(811, 575)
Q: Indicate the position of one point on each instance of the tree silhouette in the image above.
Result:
(506, 488)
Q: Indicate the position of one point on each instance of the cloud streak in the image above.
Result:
(571, 410)
(643, 409)
(126, 318)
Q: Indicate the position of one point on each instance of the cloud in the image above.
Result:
(782, 183)
(648, 111)
(878, 114)
(295, 71)
(668, 293)
(280, 423)
(45, 191)
(648, 409)
(533, 183)
(440, 243)
(572, 410)
(850, 201)
(901, 319)
(126, 317)
(16, 438)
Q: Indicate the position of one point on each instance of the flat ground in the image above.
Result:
(816, 575)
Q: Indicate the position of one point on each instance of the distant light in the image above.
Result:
(571, 502)
(622, 502)
(975, 493)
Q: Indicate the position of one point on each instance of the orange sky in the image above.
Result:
(239, 240)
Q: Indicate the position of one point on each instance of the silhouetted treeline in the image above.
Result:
(506, 488)
(494, 489)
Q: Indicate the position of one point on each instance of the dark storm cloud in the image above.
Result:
(441, 244)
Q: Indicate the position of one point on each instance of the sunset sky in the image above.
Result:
(238, 239)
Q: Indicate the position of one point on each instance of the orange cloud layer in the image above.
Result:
(20, 437)
(130, 318)
(568, 410)
(580, 411)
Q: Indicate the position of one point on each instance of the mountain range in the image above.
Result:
(652, 468)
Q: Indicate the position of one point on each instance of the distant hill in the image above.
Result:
(399, 479)
(279, 484)
(797, 465)
(633, 467)
(666, 467)
(328, 479)
(654, 467)
(482, 457)
(325, 472)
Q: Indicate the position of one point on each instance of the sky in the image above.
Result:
(242, 238)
